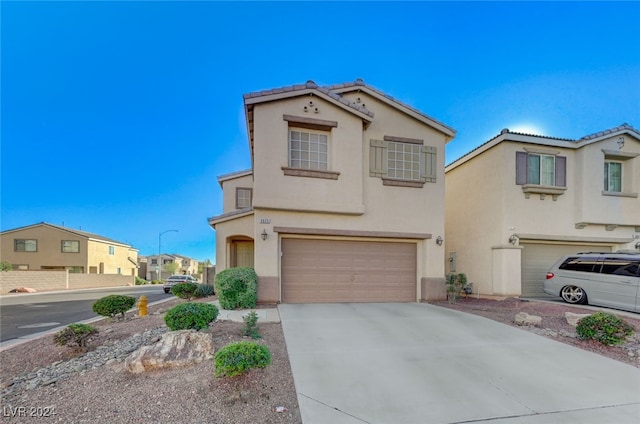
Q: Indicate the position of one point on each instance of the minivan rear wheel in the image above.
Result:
(573, 294)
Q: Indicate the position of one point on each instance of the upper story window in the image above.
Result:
(308, 150)
(613, 176)
(541, 169)
(154, 262)
(541, 173)
(25, 245)
(167, 261)
(70, 246)
(243, 197)
(112, 250)
(618, 171)
(401, 161)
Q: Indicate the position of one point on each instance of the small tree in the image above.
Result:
(171, 267)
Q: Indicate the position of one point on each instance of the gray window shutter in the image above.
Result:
(561, 171)
(521, 168)
(377, 158)
(429, 164)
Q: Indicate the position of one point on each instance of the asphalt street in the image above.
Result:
(24, 314)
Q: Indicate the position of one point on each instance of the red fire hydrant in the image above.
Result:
(142, 306)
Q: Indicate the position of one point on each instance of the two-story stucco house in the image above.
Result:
(519, 202)
(51, 247)
(345, 198)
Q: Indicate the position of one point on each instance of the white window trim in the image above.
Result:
(309, 152)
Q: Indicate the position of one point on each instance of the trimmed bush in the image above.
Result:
(238, 358)
(604, 327)
(204, 290)
(184, 290)
(140, 281)
(75, 335)
(190, 316)
(114, 304)
(237, 288)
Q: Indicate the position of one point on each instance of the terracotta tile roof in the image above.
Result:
(306, 86)
(360, 83)
(619, 128)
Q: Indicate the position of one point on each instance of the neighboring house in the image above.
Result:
(519, 202)
(186, 265)
(344, 201)
(51, 247)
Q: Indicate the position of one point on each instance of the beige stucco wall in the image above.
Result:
(273, 189)
(229, 191)
(99, 254)
(485, 207)
(475, 215)
(59, 280)
(49, 248)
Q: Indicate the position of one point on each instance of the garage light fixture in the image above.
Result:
(439, 241)
(264, 235)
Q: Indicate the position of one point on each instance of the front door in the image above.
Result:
(243, 253)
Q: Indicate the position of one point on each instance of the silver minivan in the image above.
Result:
(603, 279)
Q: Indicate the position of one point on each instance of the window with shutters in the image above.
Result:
(401, 161)
(541, 173)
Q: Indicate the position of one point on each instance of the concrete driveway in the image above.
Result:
(417, 363)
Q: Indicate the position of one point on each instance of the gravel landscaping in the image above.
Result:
(42, 379)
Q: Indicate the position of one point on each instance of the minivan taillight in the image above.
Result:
(550, 275)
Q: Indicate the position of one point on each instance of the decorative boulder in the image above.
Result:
(524, 318)
(572, 319)
(23, 290)
(175, 349)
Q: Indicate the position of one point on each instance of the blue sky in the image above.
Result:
(118, 117)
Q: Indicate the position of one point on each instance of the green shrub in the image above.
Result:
(238, 358)
(140, 281)
(204, 290)
(456, 284)
(114, 304)
(75, 335)
(157, 282)
(604, 327)
(237, 288)
(184, 290)
(251, 325)
(6, 266)
(191, 316)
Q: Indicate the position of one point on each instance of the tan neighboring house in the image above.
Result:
(344, 201)
(50, 247)
(186, 265)
(519, 202)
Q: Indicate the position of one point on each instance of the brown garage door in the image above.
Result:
(538, 258)
(315, 271)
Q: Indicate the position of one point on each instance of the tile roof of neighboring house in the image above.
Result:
(599, 134)
(613, 130)
(71, 230)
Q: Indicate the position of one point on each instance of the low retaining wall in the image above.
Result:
(59, 280)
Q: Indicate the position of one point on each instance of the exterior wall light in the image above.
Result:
(620, 142)
(513, 239)
(439, 241)
(264, 235)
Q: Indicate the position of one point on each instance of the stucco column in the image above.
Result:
(506, 270)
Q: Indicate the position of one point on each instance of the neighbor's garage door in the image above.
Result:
(316, 271)
(537, 259)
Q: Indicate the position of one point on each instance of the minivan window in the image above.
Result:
(581, 264)
(620, 266)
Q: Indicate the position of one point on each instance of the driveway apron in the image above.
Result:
(395, 363)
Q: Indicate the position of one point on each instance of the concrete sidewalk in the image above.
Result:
(418, 363)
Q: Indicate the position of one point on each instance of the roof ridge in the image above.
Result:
(623, 126)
